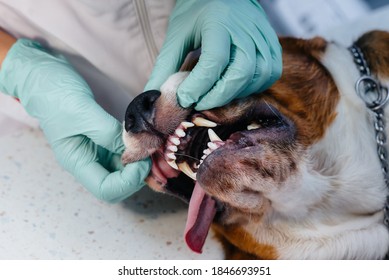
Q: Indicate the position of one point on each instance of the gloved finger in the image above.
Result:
(110, 161)
(272, 51)
(92, 166)
(168, 62)
(238, 75)
(116, 162)
(215, 55)
(268, 65)
(102, 128)
(115, 186)
(260, 78)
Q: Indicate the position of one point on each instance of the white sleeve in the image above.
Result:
(113, 44)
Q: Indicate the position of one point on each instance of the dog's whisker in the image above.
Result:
(274, 112)
(185, 155)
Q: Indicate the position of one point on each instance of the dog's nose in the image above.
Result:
(140, 112)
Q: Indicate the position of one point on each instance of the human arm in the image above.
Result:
(85, 139)
(240, 52)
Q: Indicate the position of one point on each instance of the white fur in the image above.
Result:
(169, 88)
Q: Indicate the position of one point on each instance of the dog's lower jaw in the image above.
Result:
(135, 149)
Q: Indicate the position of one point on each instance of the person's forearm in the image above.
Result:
(6, 41)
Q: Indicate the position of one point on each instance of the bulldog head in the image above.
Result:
(278, 167)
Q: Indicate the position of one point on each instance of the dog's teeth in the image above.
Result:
(173, 164)
(184, 167)
(212, 146)
(207, 151)
(172, 148)
(180, 133)
(175, 140)
(187, 124)
(253, 126)
(199, 121)
(213, 136)
(171, 156)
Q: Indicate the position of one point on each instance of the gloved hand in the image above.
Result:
(240, 52)
(86, 139)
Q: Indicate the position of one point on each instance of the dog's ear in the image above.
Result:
(306, 83)
(375, 47)
(308, 52)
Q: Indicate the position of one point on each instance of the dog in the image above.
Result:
(289, 173)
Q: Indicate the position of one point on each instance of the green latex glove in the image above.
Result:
(86, 139)
(240, 52)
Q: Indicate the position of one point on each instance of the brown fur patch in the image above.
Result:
(239, 244)
(375, 48)
(311, 105)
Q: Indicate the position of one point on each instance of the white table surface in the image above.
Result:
(46, 214)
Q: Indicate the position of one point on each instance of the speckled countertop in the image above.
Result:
(46, 214)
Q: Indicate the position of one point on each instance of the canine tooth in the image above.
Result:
(212, 146)
(199, 121)
(171, 156)
(173, 164)
(187, 124)
(206, 151)
(172, 148)
(184, 167)
(213, 136)
(180, 133)
(175, 141)
(203, 157)
(253, 126)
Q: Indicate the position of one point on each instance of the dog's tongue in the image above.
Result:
(202, 210)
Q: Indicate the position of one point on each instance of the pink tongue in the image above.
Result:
(201, 212)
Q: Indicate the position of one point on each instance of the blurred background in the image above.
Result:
(306, 18)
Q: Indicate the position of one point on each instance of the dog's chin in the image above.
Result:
(139, 146)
